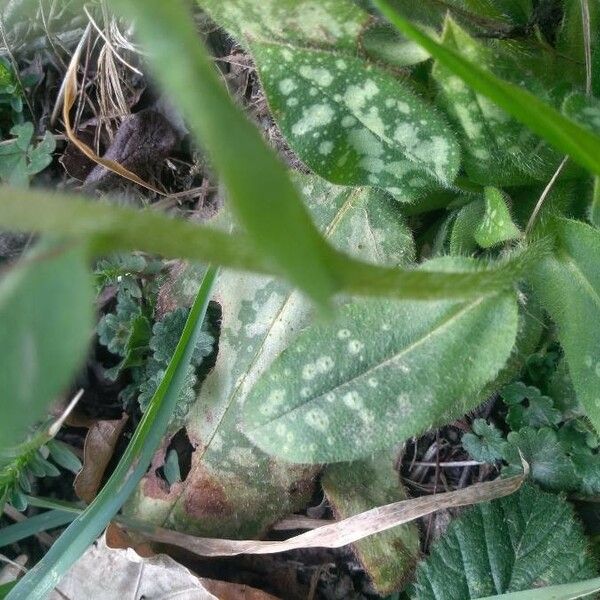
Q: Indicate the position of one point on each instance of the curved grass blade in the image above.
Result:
(43, 522)
(565, 134)
(111, 228)
(42, 578)
(260, 190)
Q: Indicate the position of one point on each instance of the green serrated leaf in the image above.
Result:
(568, 284)
(354, 124)
(530, 539)
(46, 330)
(166, 334)
(539, 410)
(382, 370)
(115, 329)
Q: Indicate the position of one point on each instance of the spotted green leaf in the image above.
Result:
(380, 373)
(497, 225)
(530, 539)
(355, 124)
(351, 488)
(321, 23)
(498, 150)
(44, 331)
(568, 283)
(249, 490)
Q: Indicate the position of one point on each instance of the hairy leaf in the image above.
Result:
(496, 226)
(498, 149)
(234, 489)
(380, 372)
(563, 133)
(568, 283)
(355, 124)
(45, 332)
(110, 228)
(526, 540)
(321, 23)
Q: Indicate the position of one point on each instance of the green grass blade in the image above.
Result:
(565, 134)
(47, 520)
(46, 574)
(260, 190)
(566, 591)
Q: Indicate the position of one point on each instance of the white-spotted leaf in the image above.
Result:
(496, 225)
(355, 124)
(249, 490)
(498, 150)
(322, 23)
(379, 373)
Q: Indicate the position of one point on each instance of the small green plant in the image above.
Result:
(555, 438)
(20, 465)
(11, 97)
(20, 157)
(144, 344)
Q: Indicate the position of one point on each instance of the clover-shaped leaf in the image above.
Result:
(486, 443)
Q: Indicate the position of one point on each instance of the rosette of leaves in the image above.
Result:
(165, 336)
(38, 457)
(145, 348)
(126, 330)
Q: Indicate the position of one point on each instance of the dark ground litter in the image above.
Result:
(150, 139)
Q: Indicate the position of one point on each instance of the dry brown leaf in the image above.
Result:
(105, 574)
(118, 539)
(98, 449)
(70, 94)
(343, 532)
